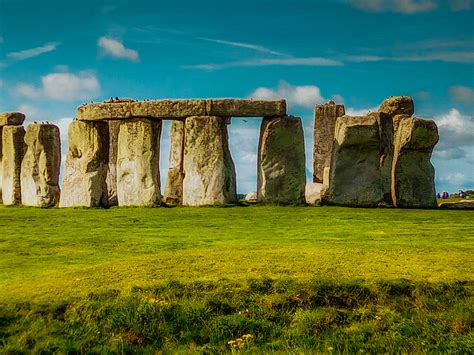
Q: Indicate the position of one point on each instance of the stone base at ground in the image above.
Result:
(281, 174)
(209, 172)
(40, 166)
(315, 192)
(13, 149)
(86, 165)
(138, 163)
(251, 197)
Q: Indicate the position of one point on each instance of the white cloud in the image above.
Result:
(63, 87)
(305, 95)
(350, 111)
(115, 48)
(254, 47)
(460, 5)
(401, 6)
(461, 56)
(262, 62)
(457, 179)
(31, 112)
(33, 52)
(462, 94)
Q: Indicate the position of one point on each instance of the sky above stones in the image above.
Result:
(56, 55)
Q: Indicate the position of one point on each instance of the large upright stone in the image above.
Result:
(412, 172)
(111, 179)
(281, 174)
(11, 119)
(174, 182)
(86, 165)
(209, 172)
(325, 117)
(40, 166)
(138, 163)
(360, 165)
(398, 105)
(13, 149)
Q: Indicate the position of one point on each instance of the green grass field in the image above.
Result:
(194, 279)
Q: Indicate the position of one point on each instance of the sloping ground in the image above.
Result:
(294, 278)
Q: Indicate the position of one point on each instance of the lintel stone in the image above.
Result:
(11, 119)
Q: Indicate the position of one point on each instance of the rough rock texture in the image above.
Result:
(169, 108)
(251, 197)
(1, 165)
(398, 105)
(11, 119)
(209, 172)
(460, 205)
(104, 111)
(13, 149)
(325, 117)
(281, 174)
(138, 163)
(86, 165)
(246, 108)
(40, 166)
(326, 175)
(360, 163)
(412, 172)
(314, 192)
(174, 182)
(111, 179)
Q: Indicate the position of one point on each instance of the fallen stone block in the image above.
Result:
(13, 150)
(281, 174)
(314, 192)
(174, 182)
(398, 105)
(138, 163)
(209, 172)
(460, 205)
(11, 119)
(325, 117)
(245, 108)
(86, 165)
(251, 197)
(40, 166)
(412, 171)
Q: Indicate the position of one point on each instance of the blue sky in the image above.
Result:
(56, 55)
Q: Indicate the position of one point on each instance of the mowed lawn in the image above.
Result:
(258, 279)
(59, 253)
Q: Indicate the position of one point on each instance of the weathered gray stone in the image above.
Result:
(209, 172)
(169, 108)
(460, 205)
(13, 149)
(314, 192)
(86, 165)
(11, 119)
(360, 165)
(398, 105)
(325, 117)
(105, 111)
(412, 172)
(40, 166)
(246, 108)
(174, 182)
(251, 197)
(281, 174)
(138, 163)
(111, 179)
(1, 164)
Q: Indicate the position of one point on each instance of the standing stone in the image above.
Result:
(361, 154)
(86, 165)
(13, 149)
(325, 117)
(398, 105)
(209, 172)
(40, 166)
(174, 181)
(1, 164)
(281, 176)
(111, 179)
(138, 163)
(412, 172)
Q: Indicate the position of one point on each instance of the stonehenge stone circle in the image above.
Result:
(13, 149)
(40, 166)
(138, 159)
(86, 165)
(412, 172)
(111, 179)
(209, 172)
(325, 117)
(173, 194)
(281, 177)
(358, 166)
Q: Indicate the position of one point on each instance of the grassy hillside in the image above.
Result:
(293, 278)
